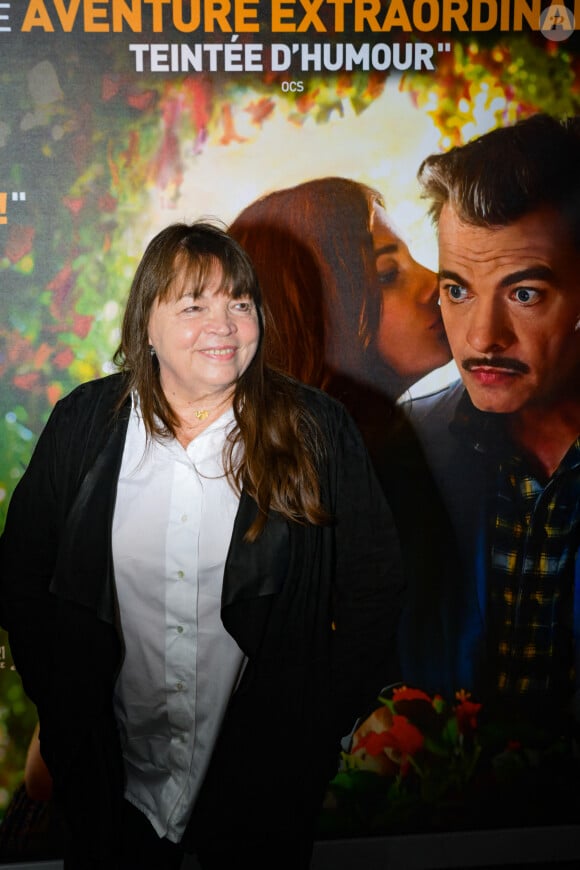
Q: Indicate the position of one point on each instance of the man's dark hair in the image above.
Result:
(506, 173)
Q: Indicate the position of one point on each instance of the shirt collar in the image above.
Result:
(483, 431)
(487, 434)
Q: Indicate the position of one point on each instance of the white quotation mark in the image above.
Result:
(5, 17)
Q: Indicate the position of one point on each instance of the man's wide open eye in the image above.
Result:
(526, 295)
(455, 292)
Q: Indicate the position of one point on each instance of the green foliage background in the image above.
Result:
(87, 159)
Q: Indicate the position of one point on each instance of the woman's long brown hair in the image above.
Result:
(279, 439)
(312, 248)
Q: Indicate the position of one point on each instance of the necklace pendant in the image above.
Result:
(202, 414)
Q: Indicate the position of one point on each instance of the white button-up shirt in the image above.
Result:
(172, 527)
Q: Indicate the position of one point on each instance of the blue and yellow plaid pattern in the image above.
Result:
(534, 535)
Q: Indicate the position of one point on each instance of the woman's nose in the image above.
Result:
(427, 286)
(220, 320)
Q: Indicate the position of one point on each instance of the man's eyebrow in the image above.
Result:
(533, 273)
(452, 276)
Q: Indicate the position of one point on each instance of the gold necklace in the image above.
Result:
(201, 414)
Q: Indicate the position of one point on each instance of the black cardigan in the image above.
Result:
(315, 609)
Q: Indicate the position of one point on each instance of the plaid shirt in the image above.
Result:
(535, 530)
(533, 536)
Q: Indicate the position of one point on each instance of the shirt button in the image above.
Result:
(179, 687)
(184, 518)
(181, 575)
(180, 629)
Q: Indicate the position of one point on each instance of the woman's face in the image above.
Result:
(205, 343)
(410, 337)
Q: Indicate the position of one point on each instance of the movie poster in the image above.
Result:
(119, 117)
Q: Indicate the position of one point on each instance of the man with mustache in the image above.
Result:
(504, 442)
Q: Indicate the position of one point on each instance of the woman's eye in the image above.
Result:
(526, 295)
(455, 292)
(388, 276)
(243, 306)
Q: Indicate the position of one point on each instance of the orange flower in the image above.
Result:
(53, 393)
(366, 743)
(75, 204)
(405, 740)
(26, 382)
(64, 358)
(82, 324)
(19, 242)
(407, 694)
(399, 743)
(374, 743)
(466, 712)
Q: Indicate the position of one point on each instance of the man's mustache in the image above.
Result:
(496, 362)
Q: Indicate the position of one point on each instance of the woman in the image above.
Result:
(200, 581)
(358, 317)
(348, 300)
